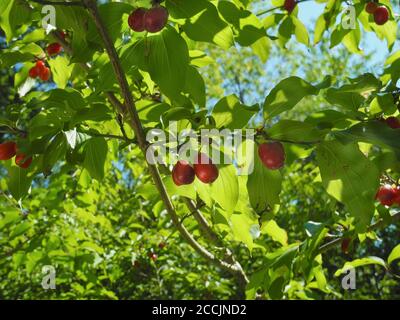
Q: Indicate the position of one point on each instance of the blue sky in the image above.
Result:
(310, 11)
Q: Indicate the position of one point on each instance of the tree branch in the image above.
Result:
(141, 137)
(377, 225)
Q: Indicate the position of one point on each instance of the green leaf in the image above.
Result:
(374, 132)
(272, 229)
(55, 151)
(383, 104)
(351, 96)
(349, 177)
(225, 190)
(19, 182)
(295, 131)
(195, 86)
(201, 22)
(61, 70)
(300, 31)
(394, 255)
(13, 13)
(230, 113)
(249, 30)
(165, 57)
(286, 95)
(263, 185)
(361, 262)
(96, 150)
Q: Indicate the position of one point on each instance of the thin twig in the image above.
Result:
(61, 3)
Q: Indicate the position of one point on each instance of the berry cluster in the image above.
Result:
(381, 13)
(40, 70)
(150, 20)
(184, 173)
(9, 150)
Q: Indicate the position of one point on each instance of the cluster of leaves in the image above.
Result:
(86, 154)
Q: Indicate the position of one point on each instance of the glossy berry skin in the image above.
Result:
(155, 19)
(371, 7)
(182, 173)
(205, 170)
(136, 20)
(289, 5)
(22, 161)
(45, 74)
(7, 150)
(53, 49)
(345, 245)
(381, 15)
(272, 155)
(393, 122)
(33, 72)
(387, 195)
(40, 65)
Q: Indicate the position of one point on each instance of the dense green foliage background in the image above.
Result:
(88, 205)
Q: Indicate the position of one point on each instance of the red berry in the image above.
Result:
(393, 122)
(63, 34)
(155, 19)
(272, 155)
(386, 195)
(45, 74)
(345, 245)
(53, 49)
(7, 150)
(136, 20)
(33, 72)
(289, 5)
(162, 245)
(205, 170)
(371, 7)
(182, 173)
(40, 65)
(381, 15)
(153, 256)
(22, 161)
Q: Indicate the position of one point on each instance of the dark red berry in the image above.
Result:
(289, 5)
(155, 19)
(381, 15)
(393, 122)
(183, 173)
(53, 49)
(136, 20)
(371, 7)
(386, 195)
(7, 150)
(205, 170)
(22, 161)
(345, 245)
(272, 155)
